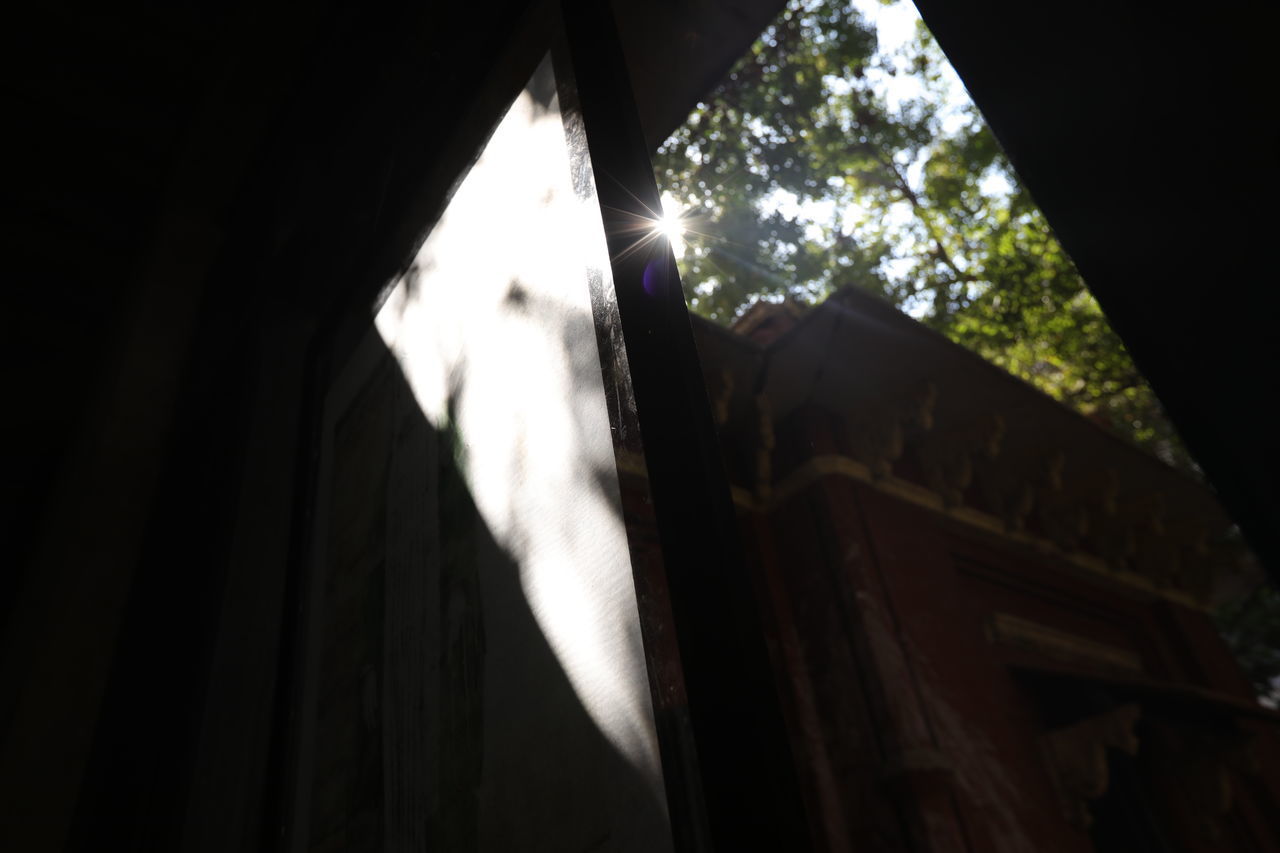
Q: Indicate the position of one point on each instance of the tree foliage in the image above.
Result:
(822, 161)
(1251, 627)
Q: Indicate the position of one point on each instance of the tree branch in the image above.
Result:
(900, 183)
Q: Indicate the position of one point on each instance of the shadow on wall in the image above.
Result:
(475, 637)
(442, 716)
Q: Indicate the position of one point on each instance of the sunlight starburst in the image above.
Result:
(671, 224)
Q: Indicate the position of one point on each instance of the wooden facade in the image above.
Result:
(989, 617)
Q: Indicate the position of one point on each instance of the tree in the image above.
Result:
(822, 160)
(1251, 626)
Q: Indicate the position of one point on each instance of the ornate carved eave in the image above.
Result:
(925, 420)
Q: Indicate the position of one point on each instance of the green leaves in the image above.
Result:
(1251, 627)
(824, 160)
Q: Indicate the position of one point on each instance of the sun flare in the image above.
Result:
(671, 224)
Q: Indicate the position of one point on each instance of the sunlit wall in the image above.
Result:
(493, 329)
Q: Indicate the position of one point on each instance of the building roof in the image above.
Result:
(919, 410)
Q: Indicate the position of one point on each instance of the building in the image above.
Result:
(1022, 595)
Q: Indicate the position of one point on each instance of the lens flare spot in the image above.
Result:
(652, 278)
